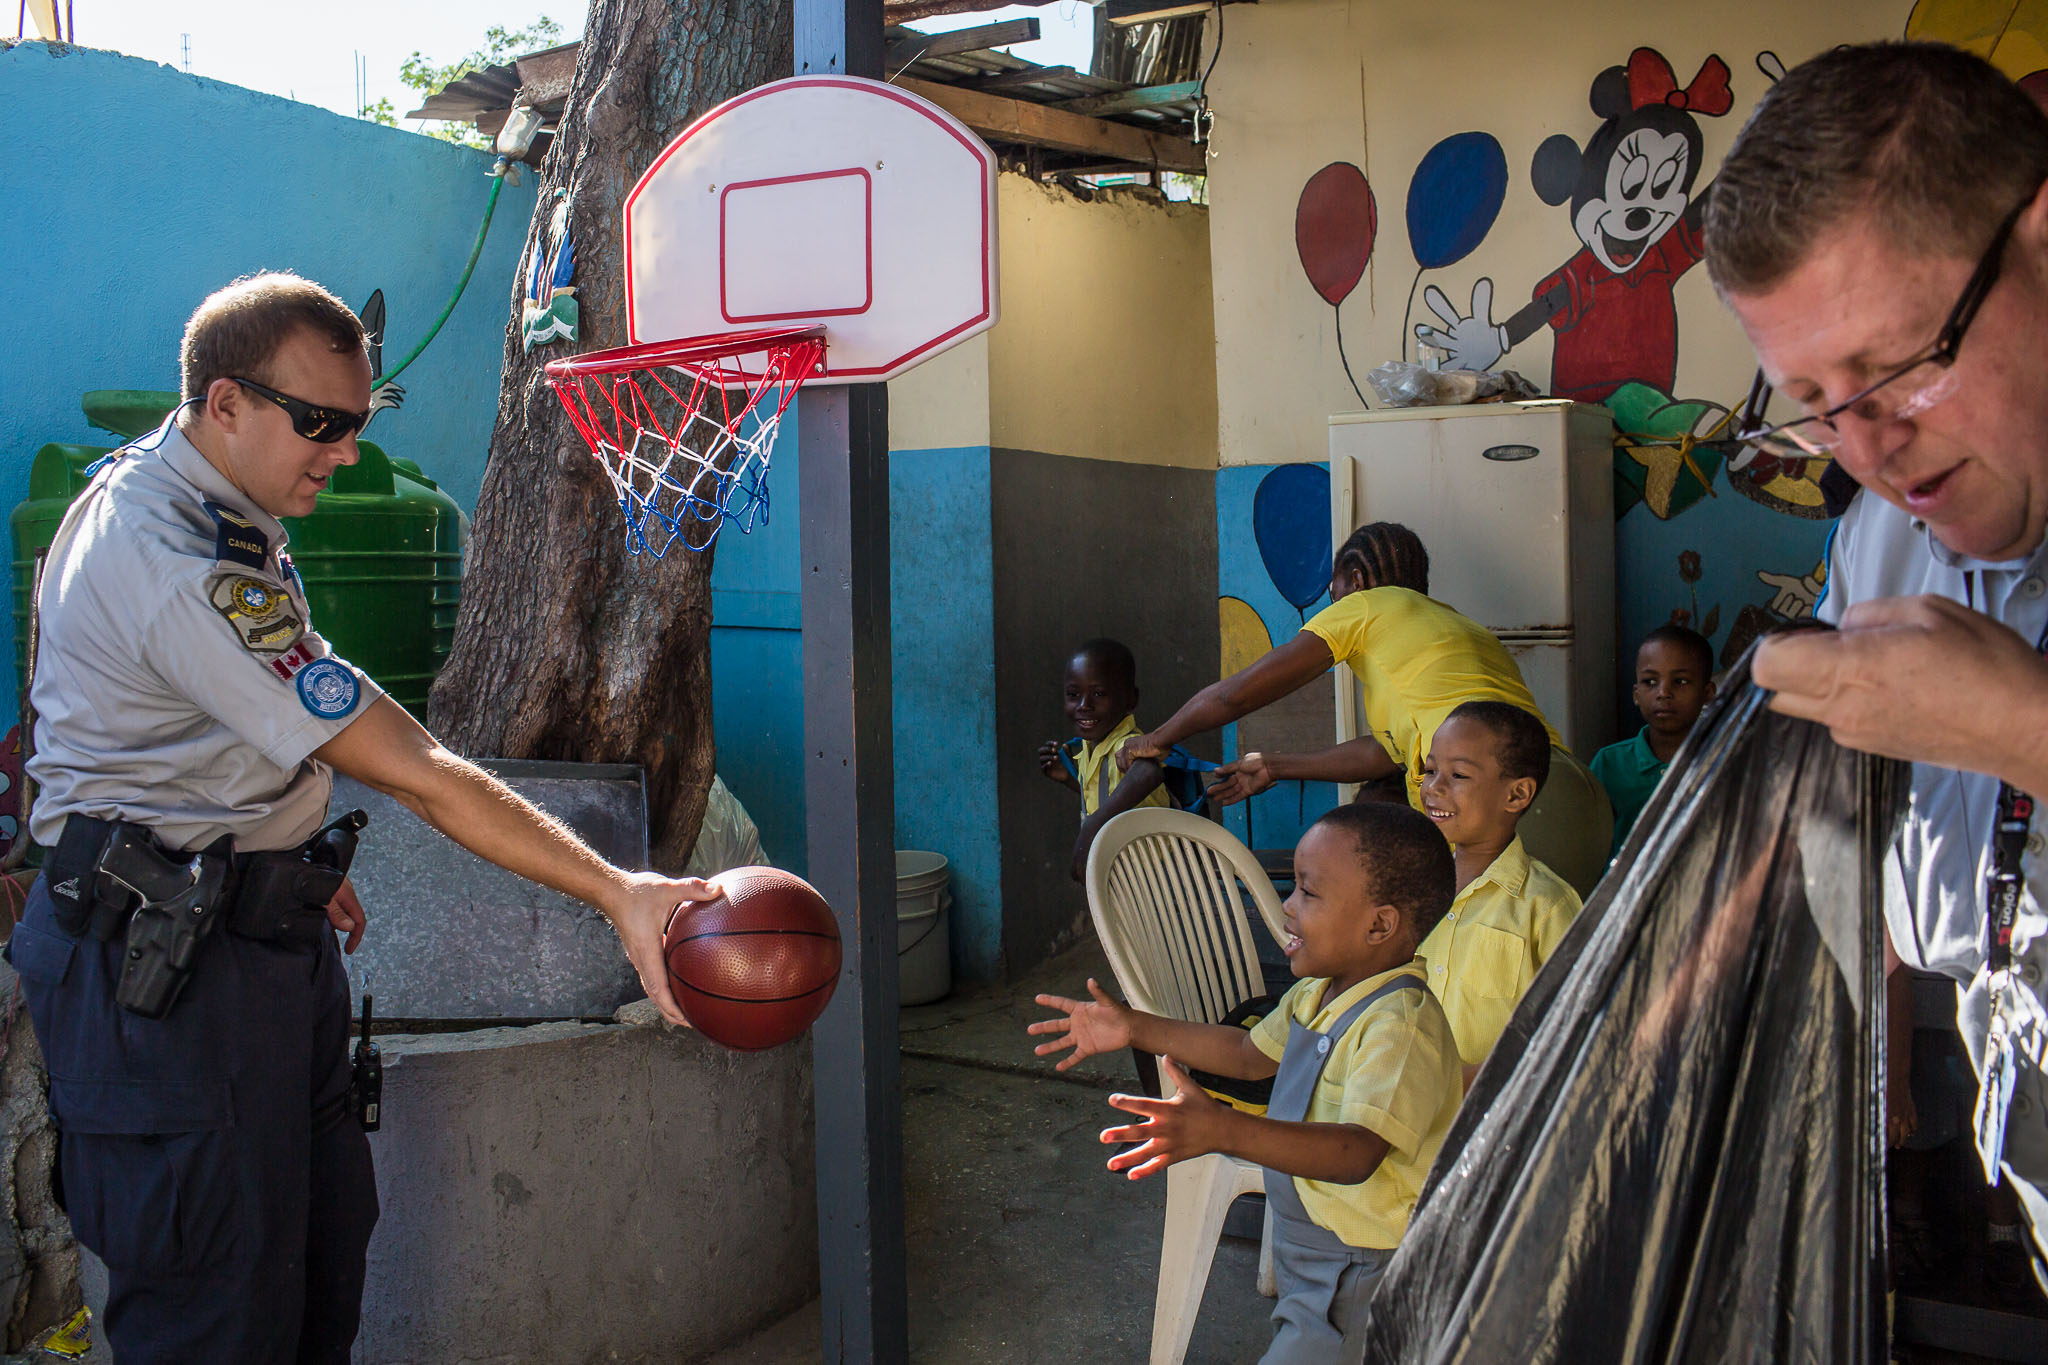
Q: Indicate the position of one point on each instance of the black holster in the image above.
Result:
(281, 897)
(107, 876)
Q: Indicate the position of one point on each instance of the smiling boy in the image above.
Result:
(1366, 1078)
(1486, 763)
(1100, 696)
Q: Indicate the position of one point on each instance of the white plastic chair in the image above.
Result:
(1164, 891)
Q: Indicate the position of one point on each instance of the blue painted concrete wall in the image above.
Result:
(757, 680)
(129, 191)
(942, 656)
(1277, 817)
(941, 631)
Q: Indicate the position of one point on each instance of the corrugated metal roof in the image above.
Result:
(484, 96)
(1017, 79)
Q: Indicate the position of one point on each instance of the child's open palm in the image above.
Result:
(1175, 1129)
(1088, 1027)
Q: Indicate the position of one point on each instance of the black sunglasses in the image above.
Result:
(315, 423)
(1820, 432)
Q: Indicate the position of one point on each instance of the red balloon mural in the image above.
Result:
(1335, 223)
(1334, 227)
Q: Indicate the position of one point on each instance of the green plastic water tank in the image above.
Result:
(55, 477)
(382, 560)
(381, 557)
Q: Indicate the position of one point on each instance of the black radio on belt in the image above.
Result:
(366, 1077)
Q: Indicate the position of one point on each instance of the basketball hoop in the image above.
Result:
(683, 432)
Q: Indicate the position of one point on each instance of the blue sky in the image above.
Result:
(308, 52)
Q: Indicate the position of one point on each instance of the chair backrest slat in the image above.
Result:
(1167, 891)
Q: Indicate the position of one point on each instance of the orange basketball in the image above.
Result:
(756, 967)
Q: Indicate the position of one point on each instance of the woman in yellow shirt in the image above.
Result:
(1416, 661)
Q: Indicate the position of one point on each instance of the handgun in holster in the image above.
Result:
(177, 904)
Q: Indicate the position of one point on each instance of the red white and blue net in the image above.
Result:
(683, 433)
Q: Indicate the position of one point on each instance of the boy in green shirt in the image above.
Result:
(1674, 682)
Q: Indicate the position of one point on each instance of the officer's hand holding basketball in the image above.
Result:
(640, 912)
(345, 913)
(1187, 1126)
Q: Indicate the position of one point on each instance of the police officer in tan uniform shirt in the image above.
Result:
(179, 954)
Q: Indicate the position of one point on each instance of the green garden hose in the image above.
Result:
(497, 183)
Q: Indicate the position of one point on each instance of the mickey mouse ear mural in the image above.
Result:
(1335, 224)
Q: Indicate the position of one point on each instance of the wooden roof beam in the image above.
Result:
(910, 11)
(912, 46)
(1005, 80)
(1039, 125)
(1124, 101)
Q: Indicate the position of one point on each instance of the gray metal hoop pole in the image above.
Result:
(850, 798)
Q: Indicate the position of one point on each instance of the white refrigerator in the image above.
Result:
(1515, 504)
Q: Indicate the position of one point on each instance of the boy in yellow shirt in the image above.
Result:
(1100, 695)
(1366, 1074)
(1486, 763)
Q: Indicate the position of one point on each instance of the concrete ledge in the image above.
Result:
(569, 1193)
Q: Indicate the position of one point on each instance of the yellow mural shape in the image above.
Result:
(1245, 640)
(2013, 37)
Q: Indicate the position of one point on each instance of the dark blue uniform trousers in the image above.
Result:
(210, 1158)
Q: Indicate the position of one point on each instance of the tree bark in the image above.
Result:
(567, 646)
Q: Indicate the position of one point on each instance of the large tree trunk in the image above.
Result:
(568, 647)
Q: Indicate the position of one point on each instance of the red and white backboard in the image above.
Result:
(819, 199)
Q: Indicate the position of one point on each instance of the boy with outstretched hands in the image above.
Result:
(1366, 1073)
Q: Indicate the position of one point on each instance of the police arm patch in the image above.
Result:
(265, 618)
(328, 689)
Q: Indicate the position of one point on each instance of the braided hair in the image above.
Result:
(1385, 554)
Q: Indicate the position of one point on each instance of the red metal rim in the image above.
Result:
(683, 351)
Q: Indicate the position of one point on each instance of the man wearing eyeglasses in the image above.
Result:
(1880, 229)
(178, 954)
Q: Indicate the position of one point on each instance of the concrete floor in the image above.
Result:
(1022, 1247)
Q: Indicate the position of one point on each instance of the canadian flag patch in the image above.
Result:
(288, 664)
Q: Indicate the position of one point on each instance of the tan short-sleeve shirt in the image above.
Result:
(178, 681)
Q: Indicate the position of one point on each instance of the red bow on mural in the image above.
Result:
(1651, 81)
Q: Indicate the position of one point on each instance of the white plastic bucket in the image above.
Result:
(924, 941)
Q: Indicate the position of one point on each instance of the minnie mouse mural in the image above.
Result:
(1633, 208)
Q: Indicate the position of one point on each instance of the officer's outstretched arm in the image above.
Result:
(387, 749)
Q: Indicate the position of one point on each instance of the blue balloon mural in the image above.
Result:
(1454, 196)
(1291, 522)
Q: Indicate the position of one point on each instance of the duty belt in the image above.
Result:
(111, 878)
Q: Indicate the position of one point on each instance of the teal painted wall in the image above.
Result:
(942, 655)
(131, 191)
(1275, 818)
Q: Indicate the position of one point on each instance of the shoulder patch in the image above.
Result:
(328, 689)
(236, 539)
(263, 614)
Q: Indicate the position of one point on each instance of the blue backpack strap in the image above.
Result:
(1184, 777)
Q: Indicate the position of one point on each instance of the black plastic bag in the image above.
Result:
(1676, 1151)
